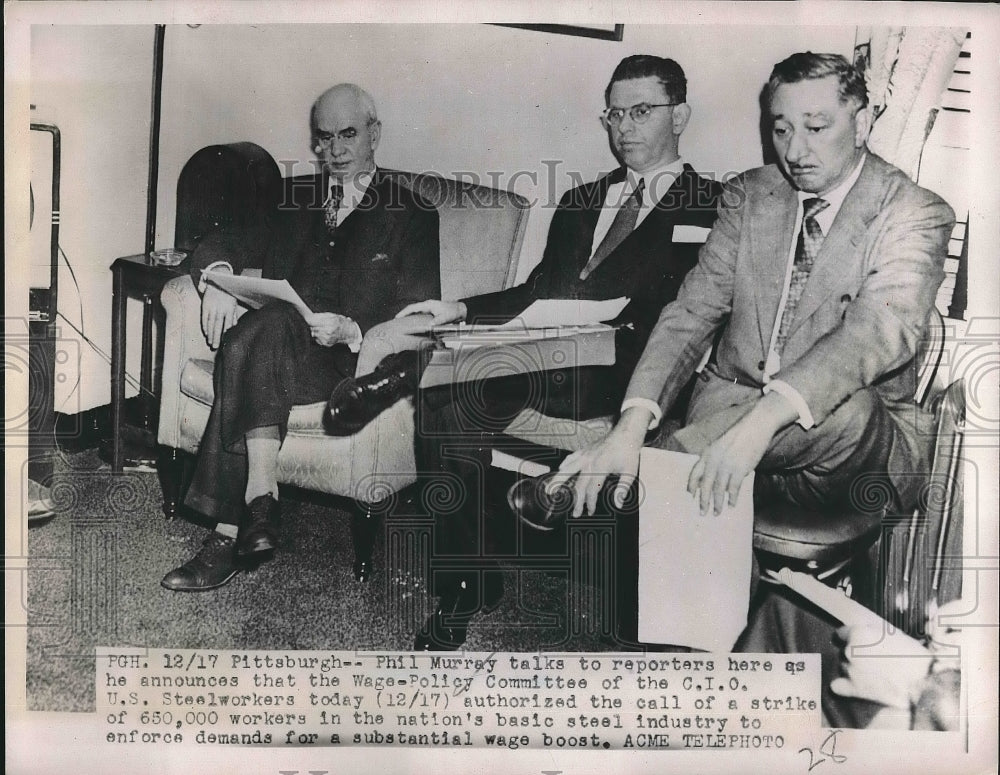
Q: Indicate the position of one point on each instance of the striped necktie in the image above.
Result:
(332, 204)
(621, 227)
(806, 250)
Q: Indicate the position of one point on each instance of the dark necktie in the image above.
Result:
(621, 227)
(332, 204)
(806, 250)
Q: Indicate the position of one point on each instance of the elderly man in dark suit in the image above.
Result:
(357, 247)
(816, 283)
(633, 233)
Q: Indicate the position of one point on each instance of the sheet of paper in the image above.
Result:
(567, 312)
(694, 570)
(256, 292)
(473, 336)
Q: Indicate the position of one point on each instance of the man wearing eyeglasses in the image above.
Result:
(357, 246)
(632, 233)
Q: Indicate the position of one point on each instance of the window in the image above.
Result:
(946, 156)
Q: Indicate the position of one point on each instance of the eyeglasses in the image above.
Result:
(638, 113)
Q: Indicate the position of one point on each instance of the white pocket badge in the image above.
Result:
(686, 233)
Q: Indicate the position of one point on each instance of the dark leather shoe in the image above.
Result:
(259, 529)
(536, 507)
(356, 402)
(448, 627)
(542, 510)
(212, 567)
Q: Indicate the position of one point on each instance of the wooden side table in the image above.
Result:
(138, 277)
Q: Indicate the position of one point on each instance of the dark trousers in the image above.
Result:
(266, 364)
(457, 428)
(786, 624)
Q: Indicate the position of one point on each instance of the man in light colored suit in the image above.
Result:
(816, 284)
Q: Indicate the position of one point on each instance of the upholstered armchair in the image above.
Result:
(481, 230)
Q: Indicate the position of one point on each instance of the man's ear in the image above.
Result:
(862, 126)
(376, 132)
(682, 113)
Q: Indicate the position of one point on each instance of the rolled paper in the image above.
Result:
(834, 602)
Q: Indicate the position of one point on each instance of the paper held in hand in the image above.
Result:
(546, 314)
(549, 334)
(685, 556)
(255, 292)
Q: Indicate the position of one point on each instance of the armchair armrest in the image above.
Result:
(182, 341)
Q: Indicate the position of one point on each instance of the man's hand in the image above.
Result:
(218, 315)
(617, 454)
(329, 328)
(724, 464)
(881, 666)
(442, 311)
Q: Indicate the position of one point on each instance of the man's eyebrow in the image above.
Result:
(817, 114)
(350, 128)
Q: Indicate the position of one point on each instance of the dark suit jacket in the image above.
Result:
(383, 256)
(863, 311)
(648, 266)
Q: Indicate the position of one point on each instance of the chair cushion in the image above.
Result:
(196, 383)
(786, 530)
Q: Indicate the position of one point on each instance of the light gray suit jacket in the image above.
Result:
(864, 309)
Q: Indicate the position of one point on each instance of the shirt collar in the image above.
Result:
(354, 188)
(657, 180)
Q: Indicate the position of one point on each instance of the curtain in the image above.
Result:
(907, 70)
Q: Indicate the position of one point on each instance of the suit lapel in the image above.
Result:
(772, 229)
(841, 253)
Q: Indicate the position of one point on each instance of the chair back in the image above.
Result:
(928, 357)
(481, 230)
(923, 567)
(224, 185)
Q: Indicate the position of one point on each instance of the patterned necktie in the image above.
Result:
(621, 227)
(332, 204)
(810, 241)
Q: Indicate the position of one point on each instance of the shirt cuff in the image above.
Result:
(354, 342)
(209, 268)
(794, 397)
(644, 403)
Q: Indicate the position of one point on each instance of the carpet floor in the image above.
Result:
(94, 580)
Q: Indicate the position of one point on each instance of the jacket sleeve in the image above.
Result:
(242, 248)
(686, 327)
(500, 306)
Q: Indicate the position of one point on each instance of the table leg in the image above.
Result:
(146, 370)
(118, 300)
